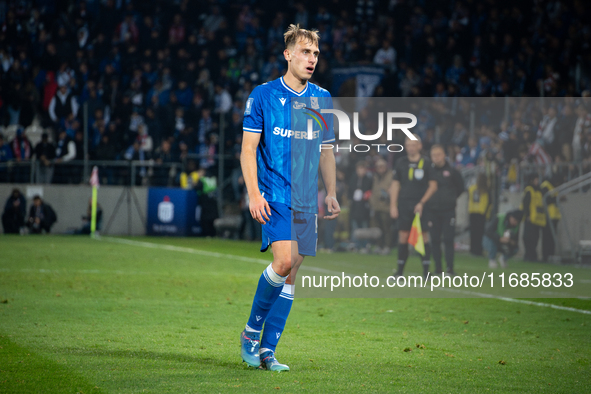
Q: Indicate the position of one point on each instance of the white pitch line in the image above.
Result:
(519, 301)
(206, 253)
(322, 270)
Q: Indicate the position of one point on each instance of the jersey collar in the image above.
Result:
(293, 91)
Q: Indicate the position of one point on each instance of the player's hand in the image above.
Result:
(504, 240)
(394, 212)
(333, 207)
(419, 209)
(259, 209)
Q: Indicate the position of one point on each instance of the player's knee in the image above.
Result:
(282, 265)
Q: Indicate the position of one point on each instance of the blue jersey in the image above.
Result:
(292, 129)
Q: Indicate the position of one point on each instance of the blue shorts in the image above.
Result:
(287, 225)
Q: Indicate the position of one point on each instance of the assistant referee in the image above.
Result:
(412, 186)
(442, 208)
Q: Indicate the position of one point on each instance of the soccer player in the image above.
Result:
(442, 208)
(284, 198)
(412, 187)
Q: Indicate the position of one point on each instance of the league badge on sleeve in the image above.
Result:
(248, 106)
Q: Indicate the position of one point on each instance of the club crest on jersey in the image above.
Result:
(314, 102)
(419, 173)
(282, 100)
(248, 107)
(298, 105)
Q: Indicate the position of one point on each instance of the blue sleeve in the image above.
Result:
(328, 136)
(253, 112)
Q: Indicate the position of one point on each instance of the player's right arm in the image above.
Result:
(258, 206)
(253, 127)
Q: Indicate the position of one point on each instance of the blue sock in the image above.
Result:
(275, 323)
(268, 289)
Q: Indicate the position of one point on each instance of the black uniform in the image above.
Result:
(442, 213)
(414, 180)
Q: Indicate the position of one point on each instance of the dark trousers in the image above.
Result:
(12, 221)
(384, 222)
(531, 236)
(477, 223)
(443, 226)
(548, 245)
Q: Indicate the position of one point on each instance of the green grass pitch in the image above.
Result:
(85, 316)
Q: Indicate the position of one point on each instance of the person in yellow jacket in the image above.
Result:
(479, 208)
(534, 217)
(190, 177)
(553, 215)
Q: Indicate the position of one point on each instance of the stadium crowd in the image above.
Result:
(160, 79)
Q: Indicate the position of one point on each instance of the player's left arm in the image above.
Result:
(328, 169)
(327, 163)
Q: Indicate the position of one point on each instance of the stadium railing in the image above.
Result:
(127, 173)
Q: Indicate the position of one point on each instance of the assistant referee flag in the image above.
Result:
(416, 235)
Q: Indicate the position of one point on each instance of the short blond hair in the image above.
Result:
(294, 33)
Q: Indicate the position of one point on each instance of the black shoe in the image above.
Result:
(451, 273)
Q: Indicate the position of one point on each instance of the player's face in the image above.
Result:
(412, 147)
(438, 157)
(303, 58)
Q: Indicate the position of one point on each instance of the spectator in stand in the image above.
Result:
(359, 194)
(546, 132)
(62, 105)
(386, 55)
(45, 153)
(5, 157)
(41, 216)
(222, 99)
(105, 151)
(65, 151)
(380, 205)
(49, 90)
(22, 152)
(163, 155)
(470, 154)
(184, 94)
(13, 216)
(582, 127)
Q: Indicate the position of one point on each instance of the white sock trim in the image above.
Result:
(288, 289)
(274, 278)
(248, 328)
(264, 349)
